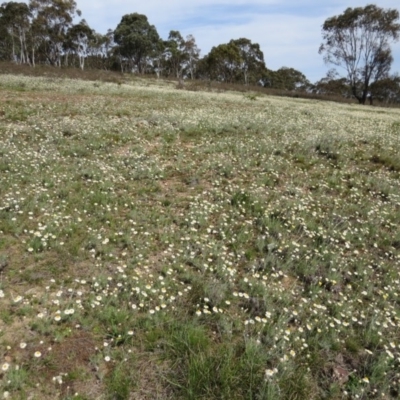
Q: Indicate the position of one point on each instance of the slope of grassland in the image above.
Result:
(165, 244)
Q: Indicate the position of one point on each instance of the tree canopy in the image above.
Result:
(181, 55)
(286, 79)
(78, 41)
(251, 59)
(14, 26)
(136, 38)
(359, 40)
(239, 60)
(50, 24)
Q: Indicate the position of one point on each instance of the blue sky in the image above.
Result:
(288, 31)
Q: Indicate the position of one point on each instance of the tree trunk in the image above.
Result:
(13, 46)
(81, 62)
(26, 49)
(361, 99)
(21, 43)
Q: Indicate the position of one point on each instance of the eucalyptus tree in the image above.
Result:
(158, 57)
(332, 85)
(387, 90)
(174, 52)
(136, 39)
(192, 55)
(102, 44)
(14, 30)
(239, 60)
(223, 62)
(99, 48)
(251, 61)
(78, 41)
(181, 54)
(7, 40)
(359, 41)
(285, 79)
(51, 22)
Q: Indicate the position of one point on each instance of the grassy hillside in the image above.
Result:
(158, 243)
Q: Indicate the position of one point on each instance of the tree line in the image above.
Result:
(358, 41)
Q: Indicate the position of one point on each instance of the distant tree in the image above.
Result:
(158, 57)
(358, 40)
(251, 61)
(175, 53)
(99, 44)
(136, 39)
(223, 62)
(387, 90)
(78, 40)
(203, 68)
(192, 54)
(333, 86)
(286, 79)
(237, 61)
(14, 30)
(181, 55)
(51, 21)
(5, 41)
(101, 54)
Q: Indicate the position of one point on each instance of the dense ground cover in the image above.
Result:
(158, 243)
